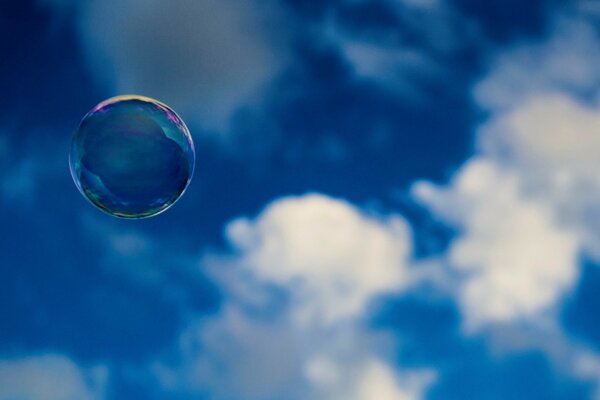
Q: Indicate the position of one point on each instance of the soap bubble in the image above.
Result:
(132, 156)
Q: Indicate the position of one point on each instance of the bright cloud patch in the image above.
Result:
(514, 258)
(367, 380)
(553, 142)
(332, 256)
(331, 259)
(49, 377)
(527, 204)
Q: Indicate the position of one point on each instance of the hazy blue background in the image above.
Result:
(393, 200)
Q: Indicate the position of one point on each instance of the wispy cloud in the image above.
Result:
(50, 377)
(206, 58)
(562, 63)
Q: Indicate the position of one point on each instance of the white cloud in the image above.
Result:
(333, 257)
(207, 59)
(238, 355)
(380, 382)
(514, 260)
(369, 379)
(329, 259)
(565, 63)
(235, 356)
(204, 58)
(49, 377)
(553, 142)
(526, 204)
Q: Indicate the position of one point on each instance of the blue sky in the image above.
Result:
(393, 200)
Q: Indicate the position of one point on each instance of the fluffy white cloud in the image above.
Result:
(333, 257)
(553, 142)
(513, 258)
(328, 259)
(49, 377)
(526, 204)
(204, 58)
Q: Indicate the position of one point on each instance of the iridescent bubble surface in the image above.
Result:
(132, 156)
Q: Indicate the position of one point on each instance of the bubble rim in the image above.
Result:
(168, 110)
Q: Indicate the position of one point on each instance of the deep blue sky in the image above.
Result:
(344, 111)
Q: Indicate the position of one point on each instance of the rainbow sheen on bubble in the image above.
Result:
(132, 157)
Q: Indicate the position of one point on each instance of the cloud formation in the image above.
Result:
(525, 203)
(388, 55)
(49, 377)
(514, 260)
(333, 257)
(298, 282)
(204, 58)
(564, 63)
(300, 279)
